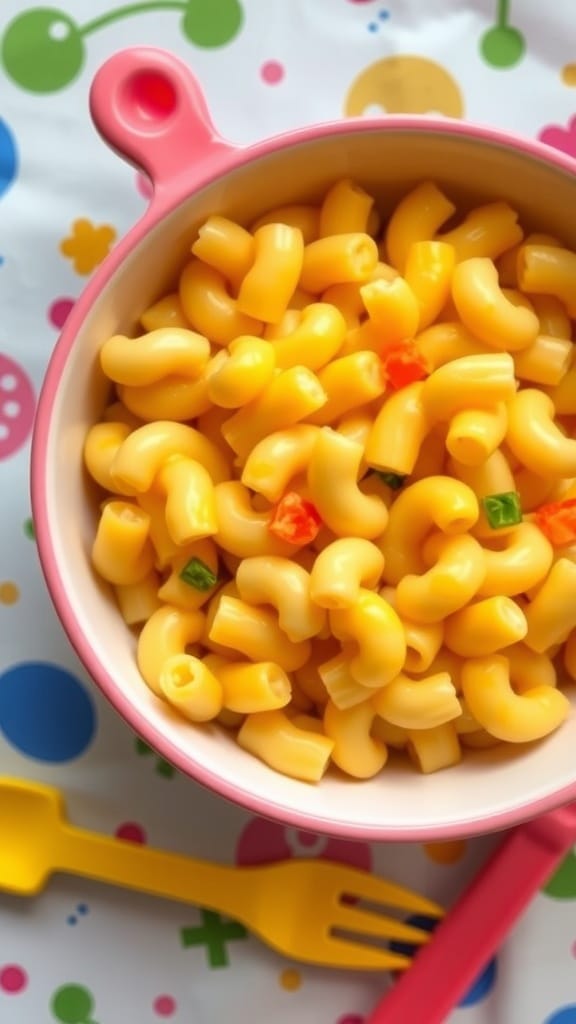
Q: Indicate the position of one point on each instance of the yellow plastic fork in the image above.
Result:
(308, 910)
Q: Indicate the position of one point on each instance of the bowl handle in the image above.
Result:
(148, 106)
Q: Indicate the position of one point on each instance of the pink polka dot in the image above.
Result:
(272, 72)
(13, 979)
(358, 855)
(573, 949)
(59, 312)
(560, 137)
(144, 186)
(131, 832)
(164, 1006)
(263, 842)
(17, 405)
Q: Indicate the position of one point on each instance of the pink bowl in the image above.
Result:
(148, 107)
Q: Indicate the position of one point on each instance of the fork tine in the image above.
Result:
(355, 956)
(377, 890)
(369, 922)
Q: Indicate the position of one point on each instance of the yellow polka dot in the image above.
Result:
(446, 853)
(404, 85)
(9, 593)
(291, 980)
(569, 74)
(88, 244)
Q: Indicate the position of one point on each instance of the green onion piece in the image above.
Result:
(392, 480)
(502, 509)
(198, 575)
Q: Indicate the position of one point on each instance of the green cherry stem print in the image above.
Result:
(503, 45)
(43, 49)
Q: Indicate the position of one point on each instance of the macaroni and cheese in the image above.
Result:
(338, 470)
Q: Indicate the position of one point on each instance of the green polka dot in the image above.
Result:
(562, 885)
(72, 1004)
(212, 23)
(42, 50)
(29, 530)
(502, 47)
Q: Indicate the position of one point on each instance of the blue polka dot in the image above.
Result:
(483, 984)
(427, 924)
(565, 1015)
(8, 158)
(45, 712)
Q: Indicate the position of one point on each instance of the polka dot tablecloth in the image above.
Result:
(86, 954)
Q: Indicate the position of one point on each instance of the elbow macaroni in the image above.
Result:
(341, 569)
(100, 449)
(487, 312)
(277, 459)
(210, 308)
(346, 209)
(267, 287)
(338, 259)
(341, 687)
(295, 465)
(356, 751)
(450, 584)
(534, 437)
(332, 479)
(160, 353)
(191, 688)
(548, 270)
(435, 501)
(174, 398)
(190, 511)
(256, 633)
(348, 383)
(286, 586)
(416, 218)
(377, 632)
(422, 704)
(240, 373)
(122, 552)
(488, 231)
(226, 247)
(428, 273)
(315, 340)
(468, 383)
(393, 310)
(475, 434)
(290, 397)
(513, 717)
(399, 431)
(169, 632)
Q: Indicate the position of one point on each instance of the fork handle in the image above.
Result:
(479, 921)
(143, 869)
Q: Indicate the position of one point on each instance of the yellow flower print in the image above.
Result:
(88, 245)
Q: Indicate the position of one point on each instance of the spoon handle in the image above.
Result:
(479, 921)
(143, 869)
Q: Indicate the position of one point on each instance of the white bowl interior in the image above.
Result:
(400, 802)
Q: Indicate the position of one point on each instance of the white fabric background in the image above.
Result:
(126, 950)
